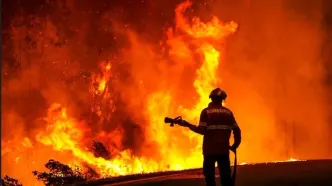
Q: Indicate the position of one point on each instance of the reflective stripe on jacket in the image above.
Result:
(218, 122)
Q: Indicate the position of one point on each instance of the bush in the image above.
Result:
(59, 174)
(8, 181)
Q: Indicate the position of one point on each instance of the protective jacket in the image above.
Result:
(216, 124)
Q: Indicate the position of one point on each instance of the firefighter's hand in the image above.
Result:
(184, 123)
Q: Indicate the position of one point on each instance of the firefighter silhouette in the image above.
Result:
(216, 124)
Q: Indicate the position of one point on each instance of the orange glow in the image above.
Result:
(66, 134)
(122, 101)
(104, 78)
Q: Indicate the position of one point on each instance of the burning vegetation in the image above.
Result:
(86, 85)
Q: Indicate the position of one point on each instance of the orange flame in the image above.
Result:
(102, 80)
(64, 134)
(190, 41)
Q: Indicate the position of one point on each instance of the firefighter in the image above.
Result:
(216, 124)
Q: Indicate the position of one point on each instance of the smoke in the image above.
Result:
(327, 54)
(273, 72)
(275, 76)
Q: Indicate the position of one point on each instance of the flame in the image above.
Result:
(281, 161)
(101, 80)
(206, 79)
(294, 159)
(64, 133)
(99, 88)
(192, 42)
(214, 29)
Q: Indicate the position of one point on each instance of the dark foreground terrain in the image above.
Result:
(301, 173)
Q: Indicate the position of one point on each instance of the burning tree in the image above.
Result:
(79, 112)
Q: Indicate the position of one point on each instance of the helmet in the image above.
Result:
(218, 93)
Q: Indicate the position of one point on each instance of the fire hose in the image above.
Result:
(234, 168)
(178, 120)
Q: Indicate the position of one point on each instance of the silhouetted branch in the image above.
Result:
(60, 174)
(99, 150)
(8, 181)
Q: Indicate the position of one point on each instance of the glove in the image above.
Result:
(184, 123)
(232, 148)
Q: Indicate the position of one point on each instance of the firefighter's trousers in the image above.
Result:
(223, 166)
